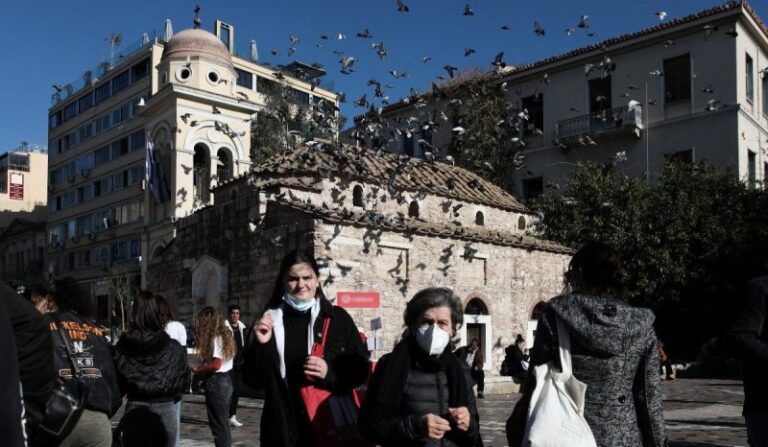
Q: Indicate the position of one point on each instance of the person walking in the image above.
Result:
(517, 358)
(749, 337)
(70, 308)
(613, 350)
(216, 346)
(151, 371)
(11, 402)
(475, 361)
(421, 394)
(239, 333)
(277, 355)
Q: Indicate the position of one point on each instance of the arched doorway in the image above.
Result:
(477, 324)
(533, 322)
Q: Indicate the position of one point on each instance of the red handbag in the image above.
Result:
(333, 416)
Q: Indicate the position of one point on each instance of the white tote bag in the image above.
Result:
(556, 411)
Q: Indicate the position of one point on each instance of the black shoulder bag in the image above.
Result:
(65, 403)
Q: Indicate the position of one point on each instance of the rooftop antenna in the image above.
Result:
(197, 22)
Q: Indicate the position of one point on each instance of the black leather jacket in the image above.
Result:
(151, 367)
(94, 357)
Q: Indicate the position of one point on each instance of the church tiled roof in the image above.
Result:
(415, 226)
(395, 172)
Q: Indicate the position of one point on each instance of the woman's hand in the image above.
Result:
(461, 416)
(434, 426)
(315, 367)
(263, 329)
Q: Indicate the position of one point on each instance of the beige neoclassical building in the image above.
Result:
(195, 100)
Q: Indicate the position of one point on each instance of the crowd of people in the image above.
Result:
(309, 358)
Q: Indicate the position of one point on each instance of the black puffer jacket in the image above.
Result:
(151, 367)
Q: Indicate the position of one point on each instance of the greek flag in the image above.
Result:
(154, 174)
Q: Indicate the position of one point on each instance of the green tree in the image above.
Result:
(286, 122)
(687, 242)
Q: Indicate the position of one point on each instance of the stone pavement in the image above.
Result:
(698, 413)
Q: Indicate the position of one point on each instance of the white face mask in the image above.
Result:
(432, 339)
(300, 305)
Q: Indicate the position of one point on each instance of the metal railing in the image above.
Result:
(122, 52)
(607, 120)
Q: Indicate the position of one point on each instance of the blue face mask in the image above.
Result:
(299, 305)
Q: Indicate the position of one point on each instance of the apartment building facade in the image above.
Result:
(23, 183)
(193, 100)
(691, 89)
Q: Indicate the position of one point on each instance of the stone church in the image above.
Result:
(382, 226)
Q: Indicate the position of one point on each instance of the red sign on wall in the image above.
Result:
(365, 300)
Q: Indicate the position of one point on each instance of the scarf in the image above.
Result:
(392, 383)
(278, 331)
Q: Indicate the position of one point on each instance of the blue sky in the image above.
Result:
(53, 42)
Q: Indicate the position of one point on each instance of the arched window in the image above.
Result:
(201, 178)
(521, 223)
(223, 165)
(357, 196)
(479, 218)
(476, 306)
(413, 209)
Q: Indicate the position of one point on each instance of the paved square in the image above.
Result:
(702, 412)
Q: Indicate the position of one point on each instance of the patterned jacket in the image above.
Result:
(614, 351)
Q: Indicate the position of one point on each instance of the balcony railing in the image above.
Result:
(613, 120)
(122, 52)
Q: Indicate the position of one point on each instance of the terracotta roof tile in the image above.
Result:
(395, 172)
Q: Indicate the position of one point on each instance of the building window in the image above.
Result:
(413, 209)
(479, 218)
(357, 196)
(244, 78)
(140, 70)
(521, 223)
(223, 166)
(749, 68)
(534, 106)
(752, 168)
(533, 187)
(70, 111)
(200, 180)
(764, 84)
(267, 86)
(765, 175)
(86, 102)
(102, 92)
(677, 79)
(409, 144)
(600, 95)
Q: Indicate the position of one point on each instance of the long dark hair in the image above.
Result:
(596, 269)
(145, 315)
(297, 256)
(208, 326)
(164, 310)
(69, 296)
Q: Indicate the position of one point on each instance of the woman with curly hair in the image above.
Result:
(216, 346)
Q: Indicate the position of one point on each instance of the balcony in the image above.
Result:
(609, 121)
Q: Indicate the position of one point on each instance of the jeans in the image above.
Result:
(235, 375)
(757, 429)
(148, 424)
(218, 392)
(177, 407)
(92, 430)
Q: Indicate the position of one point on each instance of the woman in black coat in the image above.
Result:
(151, 370)
(421, 394)
(277, 356)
